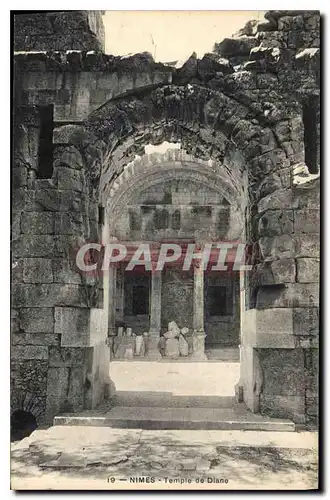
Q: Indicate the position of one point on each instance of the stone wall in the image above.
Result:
(176, 209)
(238, 113)
(51, 300)
(224, 330)
(54, 30)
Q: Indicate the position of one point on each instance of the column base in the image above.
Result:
(198, 356)
(198, 345)
(154, 356)
(153, 353)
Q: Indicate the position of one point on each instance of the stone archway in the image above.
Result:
(216, 122)
(176, 183)
(214, 127)
(208, 144)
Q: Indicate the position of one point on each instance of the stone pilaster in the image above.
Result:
(155, 314)
(198, 313)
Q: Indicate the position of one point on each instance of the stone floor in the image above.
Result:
(174, 384)
(110, 459)
(178, 378)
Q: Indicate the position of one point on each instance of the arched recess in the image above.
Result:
(240, 145)
(156, 168)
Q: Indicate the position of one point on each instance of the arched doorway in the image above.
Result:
(176, 200)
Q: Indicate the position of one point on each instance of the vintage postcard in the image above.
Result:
(165, 250)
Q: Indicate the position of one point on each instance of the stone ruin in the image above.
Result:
(247, 114)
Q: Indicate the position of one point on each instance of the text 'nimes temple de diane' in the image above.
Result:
(242, 167)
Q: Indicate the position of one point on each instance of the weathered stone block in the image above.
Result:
(307, 245)
(37, 320)
(65, 271)
(307, 221)
(312, 407)
(238, 81)
(307, 196)
(29, 352)
(281, 199)
(19, 199)
(308, 270)
(277, 247)
(17, 271)
(269, 162)
(93, 210)
(68, 178)
(80, 327)
(67, 356)
(69, 223)
(52, 294)
(276, 272)
(26, 144)
(211, 64)
(31, 375)
(274, 39)
(268, 328)
(283, 371)
(276, 222)
(235, 46)
(306, 342)
(306, 321)
(68, 245)
(263, 143)
(312, 22)
(33, 246)
(267, 81)
(57, 389)
(303, 39)
(42, 200)
(312, 377)
(15, 225)
(42, 339)
(288, 295)
(290, 130)
(20, 176)
(273, 321)
(274, 182)
(292, 147)
(73, 202)
(37, 271)
(14, 321)
(290, 23)
(68, 156)
(72, 320)
(292, 407)
(37, 222)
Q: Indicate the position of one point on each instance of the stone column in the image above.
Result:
(198, 313)
(112, 300)
(120, 293)
(155, 314)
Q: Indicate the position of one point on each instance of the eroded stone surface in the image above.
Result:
(249, 459)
